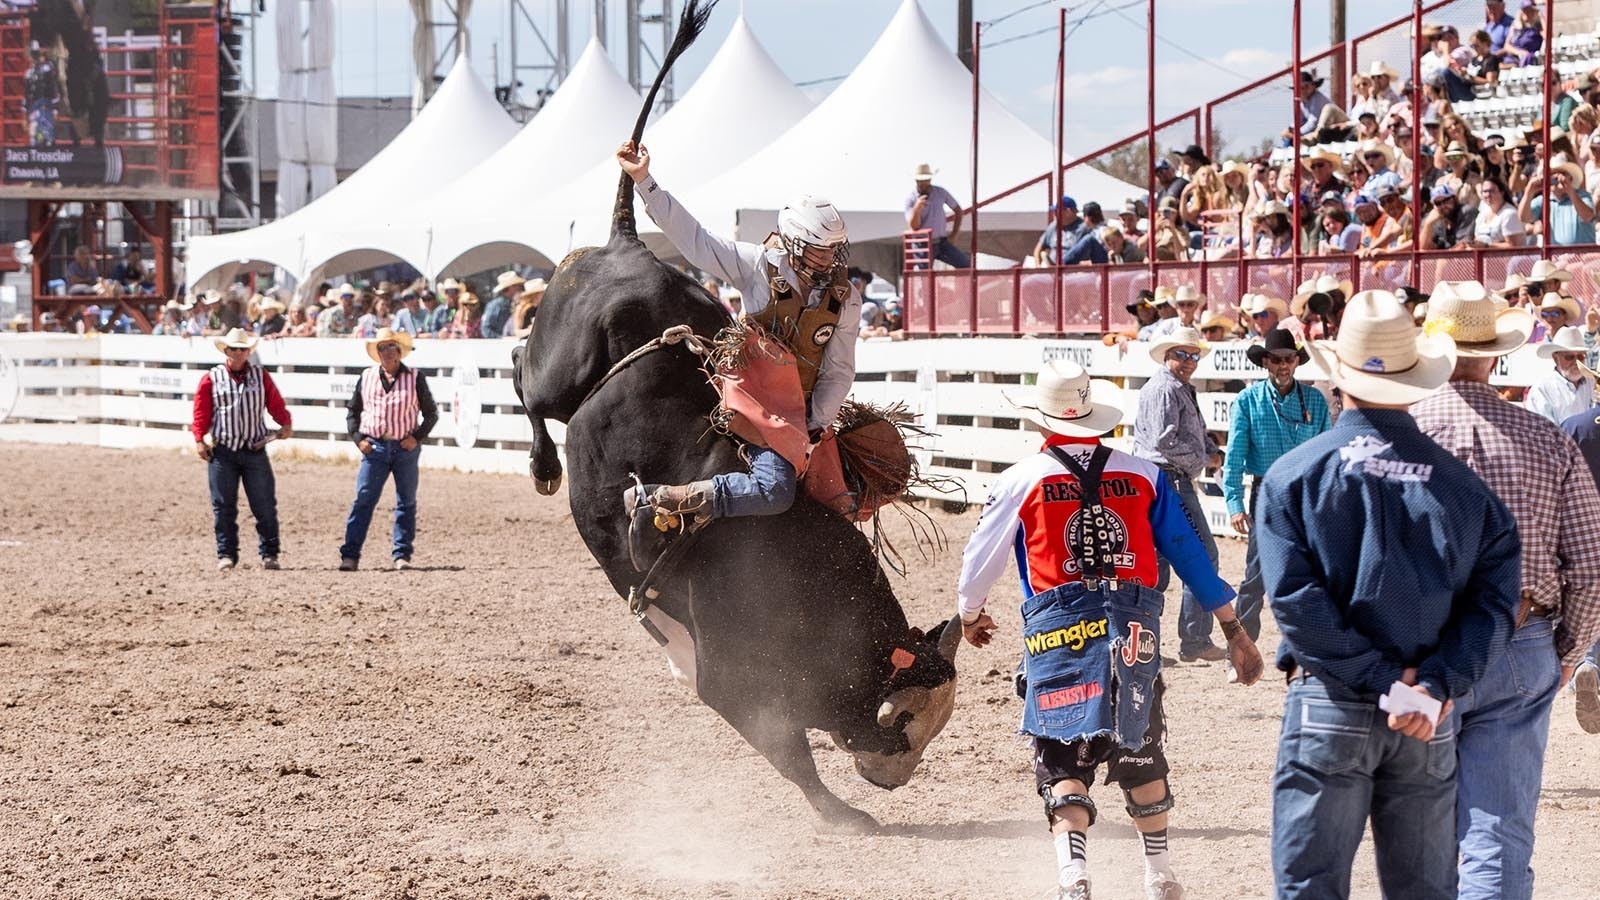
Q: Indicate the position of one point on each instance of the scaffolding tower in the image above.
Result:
(540, 58)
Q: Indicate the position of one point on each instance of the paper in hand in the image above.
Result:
(1402, 700)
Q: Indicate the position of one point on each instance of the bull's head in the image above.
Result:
(911, 716)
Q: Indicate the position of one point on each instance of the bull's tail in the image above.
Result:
(693, 21)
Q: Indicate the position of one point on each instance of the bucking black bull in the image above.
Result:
(780, 623)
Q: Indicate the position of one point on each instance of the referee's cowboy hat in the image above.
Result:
(389, 336)
(1182, 336)
(1380, 356)
(1061, 402)
(238, 338)
(1467, 312)
(1277, 340)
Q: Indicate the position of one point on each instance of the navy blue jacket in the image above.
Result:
(1382, 551)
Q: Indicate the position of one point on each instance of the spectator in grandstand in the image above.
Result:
(81, 275)
(1384, 95)
(1316, 110)
(498, 311)
(1204, 194)
(1071, 227)
(1568, 389)
(300, 323)
(1455, 132)
(231, 406)
(468, 322)
(1484, 69)
(1496, 225)
(1167, 240)
(340, 312)
(1089, 248)
(1367, 128)
(934, 208)
(521, 322)
(171, 321)
(1129, 217)
(380, 318)
(1168, 183)
(444, 314)
(1144, 311)
(407, 313)
(272, 322)
(1235, 186)
(1264, 312)
(1432, 114)
(1324, 166)
(1217, 327)
(1526, 36)
(1273, 232)
(231, 313)
(1442, 227)
(1572, 213)
(1459, 175)
(1585, 90)
(1340, 235)
(1457, 76)
(1119, 249)
(1269, 418)
(389, 415)
(1436, 62)
(427, 302)
(1556, 311)
(1191, 160)
(1319, 304)
(1391, 231)
(1379, 160)
(1185, 304)
(1496, 24)
(1362, 101)
(132, 273)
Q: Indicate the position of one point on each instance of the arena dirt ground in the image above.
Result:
(492, 725)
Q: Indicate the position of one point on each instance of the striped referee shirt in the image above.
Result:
(232, 406)
(1540, 475)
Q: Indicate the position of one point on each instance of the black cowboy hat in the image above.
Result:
(1277, 339)
(1145, 298)
(1309, 76)
(1196, 153)
(1409, 295)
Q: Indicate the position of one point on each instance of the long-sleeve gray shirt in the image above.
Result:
(744, 266)
(1169, 430)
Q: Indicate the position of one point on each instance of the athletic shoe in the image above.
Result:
(270, 563)
(1162, 886)
(1586, 683)
(1209, 653)
(348, 565)
(402, 563)
(224, 564)
(1077, 890)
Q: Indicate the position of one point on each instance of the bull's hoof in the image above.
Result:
(846, 819)
(545, 486)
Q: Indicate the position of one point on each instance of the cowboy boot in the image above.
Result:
(657, 511)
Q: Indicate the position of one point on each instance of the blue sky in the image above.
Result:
(1205, 48)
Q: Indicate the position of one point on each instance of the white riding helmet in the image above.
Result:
(815, 222)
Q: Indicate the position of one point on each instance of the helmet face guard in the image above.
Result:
(796, 248)
(811, 222)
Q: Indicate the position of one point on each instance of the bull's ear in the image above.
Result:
(950, 638)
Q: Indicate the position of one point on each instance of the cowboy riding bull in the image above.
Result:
(781, 621)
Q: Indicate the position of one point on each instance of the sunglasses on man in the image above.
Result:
(1551, 314)
(1184, 355)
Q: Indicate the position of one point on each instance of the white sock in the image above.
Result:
(1072, 856)
(1156, 858)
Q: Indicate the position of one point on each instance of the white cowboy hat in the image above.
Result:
(532, 288)
(1234, 167)
(236, 337)
(1255, 303)
(174, 304)
(271, 303)
(1568, 340)
(1270, 208)
(389, 336)
(1381, 356)
(1560, 163)
(1370, 146)
(1514, 282)
(923, 172)
(348, 288)
(508, 279)
(1181, 336)
(1379, 67)
(1061, 402)
(330, 297)
(1187, 293)
(1163, 295)
(1323, 284)
(1466, 312)
(1545, 270)
(449, 284)
(1567, 305)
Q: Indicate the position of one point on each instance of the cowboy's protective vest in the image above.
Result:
(804, 330)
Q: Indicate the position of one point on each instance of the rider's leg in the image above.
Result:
(766, 490)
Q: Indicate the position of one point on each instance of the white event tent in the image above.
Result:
(352, 226)
(481, 221)
(739, 104)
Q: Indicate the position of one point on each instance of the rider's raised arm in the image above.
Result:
(732, 261)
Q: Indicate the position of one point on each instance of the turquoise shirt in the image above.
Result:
(1264, 426)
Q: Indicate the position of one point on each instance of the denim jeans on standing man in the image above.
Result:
(386, 458)
(226, 469)
(1253, 589)
(1505, 721)
(1194, 623)
(1338, 764)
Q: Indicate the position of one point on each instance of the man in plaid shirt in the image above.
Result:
(1540, 475)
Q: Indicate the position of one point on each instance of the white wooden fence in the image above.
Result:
(137, 391)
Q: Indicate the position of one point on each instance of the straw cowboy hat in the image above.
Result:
(468, 298)
(1545, 270)
(1325, 284)
(1270, 208)
(1323, 154)
(1061, 402)
(1567, 305)
(508, 279)
(1514, 282)
(1466, 312)
(1218, 320)
(923, 172)
(1371, 146)
(1180, 337)
(1276, 341)
(449, 284)
(389, 336)
(1234, 167)
(175, 304)
(236, 337)
(271, 303)
(1257, 303)
(1378, 67)
(1380, 356)
(532, 288)
(1560, 163)
(1568, 340)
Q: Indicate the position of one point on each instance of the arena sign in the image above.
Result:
(10, 385)
(466, 402)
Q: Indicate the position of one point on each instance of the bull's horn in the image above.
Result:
(887, 713)
(911, 698)
(950, 640)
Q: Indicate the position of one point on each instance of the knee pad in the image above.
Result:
(1135, 811)
(1054, 802)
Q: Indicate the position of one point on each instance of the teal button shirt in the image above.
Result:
(1264, 426)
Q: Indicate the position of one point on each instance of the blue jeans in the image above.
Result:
(1253, 589)
(766, 490)
(385, 459)
(1593, 656)
(1505, 720)
(946, 251)
(1338, 763)
(226, 469)
(1194, 623)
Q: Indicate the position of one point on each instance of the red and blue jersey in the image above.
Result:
(1034, 506)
